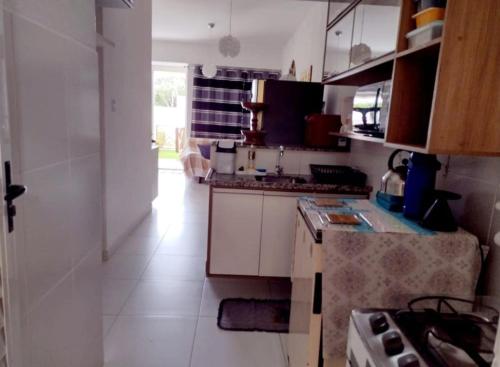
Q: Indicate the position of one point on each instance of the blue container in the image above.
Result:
(420, 184)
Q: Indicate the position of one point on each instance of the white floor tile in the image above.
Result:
(150, 342)
(215, 290)
(155, 283)
(124, 266)
(172, 298)
(139, 245)
(215, 347)
(115, 293)
(172, 267)
(107, 322)
(185, 238)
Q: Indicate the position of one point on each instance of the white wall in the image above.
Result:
(306, 45)
(54, 105)
(252, 55)
(127, 119)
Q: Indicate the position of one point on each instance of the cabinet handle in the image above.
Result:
(310, 250)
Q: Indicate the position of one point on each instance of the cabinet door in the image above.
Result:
(305, 326)
(375, 30)
(335, 8)
(278, 233)
(235, 233)
(338, 46)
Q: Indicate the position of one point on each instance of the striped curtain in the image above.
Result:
(217, 112)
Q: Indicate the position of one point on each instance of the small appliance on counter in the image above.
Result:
(431, 332)
(225, 154)
(419, 187)
(392, 186)
(439, 216)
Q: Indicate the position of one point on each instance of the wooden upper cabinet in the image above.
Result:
(466, 112)
(446, 94)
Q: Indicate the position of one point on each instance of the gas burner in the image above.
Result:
(432, 331)
(454, 332)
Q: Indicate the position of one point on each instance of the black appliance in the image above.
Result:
(287, 105)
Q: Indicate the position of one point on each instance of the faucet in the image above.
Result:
(279, 168)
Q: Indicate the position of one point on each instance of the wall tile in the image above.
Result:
(52, 326)
(86, 206)
(480, 168)
(39, 58)
(87, 295)
(473, 211)
(82, 106)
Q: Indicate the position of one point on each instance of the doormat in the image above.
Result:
(239, 314)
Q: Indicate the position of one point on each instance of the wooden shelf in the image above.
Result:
(431, 47)
(356, 136)
(373, 71)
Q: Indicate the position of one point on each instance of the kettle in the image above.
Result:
(393, 181)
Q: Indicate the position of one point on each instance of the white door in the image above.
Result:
(11, 321)
(49, 132)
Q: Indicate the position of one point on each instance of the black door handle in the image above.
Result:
(11, 192)
(14, 191)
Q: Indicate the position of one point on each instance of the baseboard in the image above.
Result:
(111, 250)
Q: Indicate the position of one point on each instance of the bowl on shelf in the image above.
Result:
(428, 15)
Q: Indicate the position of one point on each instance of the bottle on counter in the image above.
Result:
(251, 158)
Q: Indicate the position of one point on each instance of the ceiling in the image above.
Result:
(266, 21)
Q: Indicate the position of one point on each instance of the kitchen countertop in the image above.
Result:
(380, 220)
(247, 182)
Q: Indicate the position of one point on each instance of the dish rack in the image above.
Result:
(337, 175)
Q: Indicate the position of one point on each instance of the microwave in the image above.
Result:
(370, 109)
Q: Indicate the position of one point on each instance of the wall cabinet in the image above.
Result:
(445, 93)
(364, 31)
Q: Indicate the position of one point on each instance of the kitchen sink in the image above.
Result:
(281, 179)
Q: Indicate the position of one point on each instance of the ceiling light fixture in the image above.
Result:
(209, 69)
(229, 45)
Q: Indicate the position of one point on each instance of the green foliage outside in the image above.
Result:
(168, 154)
(167, 86)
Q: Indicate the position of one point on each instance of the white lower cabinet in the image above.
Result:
(276, 241)
(236, 220)
(252, 232)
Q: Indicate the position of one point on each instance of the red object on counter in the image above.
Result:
(318, 128)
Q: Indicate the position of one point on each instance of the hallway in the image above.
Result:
(158, 307)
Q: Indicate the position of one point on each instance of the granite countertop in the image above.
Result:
(306, 184)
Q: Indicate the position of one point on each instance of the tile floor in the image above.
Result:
(158, 307)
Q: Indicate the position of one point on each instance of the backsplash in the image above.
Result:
(477, 179)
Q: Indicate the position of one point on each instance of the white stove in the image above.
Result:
(440, 333)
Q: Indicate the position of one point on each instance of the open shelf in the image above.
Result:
(356, 136)
(431, 47)
(373, 71)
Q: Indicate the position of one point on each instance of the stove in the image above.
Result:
(432, 331)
